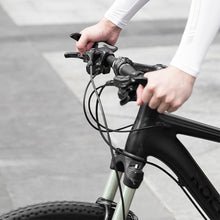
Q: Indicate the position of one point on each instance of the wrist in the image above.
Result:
(185, 76)
(110, 25)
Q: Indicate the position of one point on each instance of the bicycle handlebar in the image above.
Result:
(128, 75)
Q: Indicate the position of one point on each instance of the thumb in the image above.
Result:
(147, 74)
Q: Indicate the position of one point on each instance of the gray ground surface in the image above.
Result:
(47, 149)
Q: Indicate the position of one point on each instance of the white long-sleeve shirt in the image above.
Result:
(202, 25)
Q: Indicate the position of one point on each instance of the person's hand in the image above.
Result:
(166, 90)
(105, 30)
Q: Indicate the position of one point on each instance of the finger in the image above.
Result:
(154, 102)
(175, 105)
(139, 93)
(89, 45)
(163, 107)
(147, 95)
(172, 109)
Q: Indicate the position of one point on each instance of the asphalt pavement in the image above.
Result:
(47, 149)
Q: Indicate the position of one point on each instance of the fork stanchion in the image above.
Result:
(128, 194)
(111, 186)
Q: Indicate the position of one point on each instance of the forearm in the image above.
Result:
(202, 25)
(121, 12)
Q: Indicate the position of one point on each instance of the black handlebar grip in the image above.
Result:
(127, 69)
(110, 59)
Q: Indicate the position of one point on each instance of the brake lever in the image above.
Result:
(95, 57)
(127, 86)
(125, 81)
(76, 36)
(141, 80)
(73, 55)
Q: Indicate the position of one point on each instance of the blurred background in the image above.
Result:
(47, 150)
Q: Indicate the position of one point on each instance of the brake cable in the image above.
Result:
(109, 140)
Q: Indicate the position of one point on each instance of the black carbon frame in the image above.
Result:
(160, 141)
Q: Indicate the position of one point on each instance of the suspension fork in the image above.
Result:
(132, 167)
(109, 195)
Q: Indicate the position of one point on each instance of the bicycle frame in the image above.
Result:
(159, 140)
(153, 134)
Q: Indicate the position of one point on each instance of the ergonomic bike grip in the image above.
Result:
(75, 36)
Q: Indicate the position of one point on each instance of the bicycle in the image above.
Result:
(152, 134)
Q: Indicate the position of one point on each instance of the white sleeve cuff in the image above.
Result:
(121, 12)
(191, 71)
